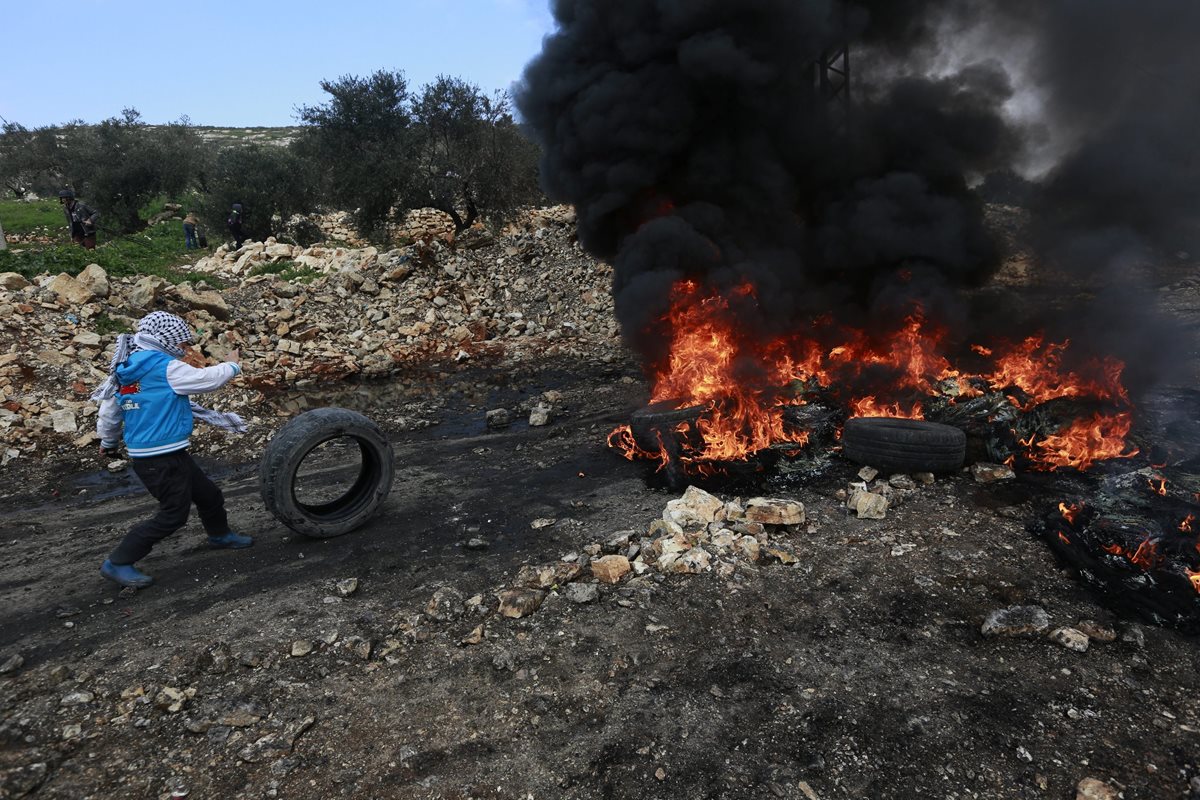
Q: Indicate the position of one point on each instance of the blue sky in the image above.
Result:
(245, 63)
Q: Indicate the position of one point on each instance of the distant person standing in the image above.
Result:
(189, 231)
(81, 219)
(235, 226)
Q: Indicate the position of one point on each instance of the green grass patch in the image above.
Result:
(289, 271)
(20, 217)
(158, 250)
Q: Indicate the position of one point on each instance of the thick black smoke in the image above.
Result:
(691, 138)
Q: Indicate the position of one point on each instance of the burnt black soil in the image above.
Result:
(860, 672)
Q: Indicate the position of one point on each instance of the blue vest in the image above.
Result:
(157, 420)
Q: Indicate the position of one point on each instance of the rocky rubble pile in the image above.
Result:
(696, 533)
(531, 293)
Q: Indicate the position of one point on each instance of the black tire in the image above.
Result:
(904, 445)
(294, 441)
(646, 423)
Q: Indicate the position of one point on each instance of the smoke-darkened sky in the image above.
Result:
(688, 136)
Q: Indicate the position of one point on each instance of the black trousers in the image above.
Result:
(175, 481)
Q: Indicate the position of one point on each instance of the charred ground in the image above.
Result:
(858, 672)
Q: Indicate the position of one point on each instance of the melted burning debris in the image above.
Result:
(1136, 543)
(725, 397)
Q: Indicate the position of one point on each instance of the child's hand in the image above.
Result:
(235, 356)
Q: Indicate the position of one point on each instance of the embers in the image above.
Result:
(1136, 543)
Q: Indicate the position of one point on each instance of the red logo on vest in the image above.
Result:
(132, 388)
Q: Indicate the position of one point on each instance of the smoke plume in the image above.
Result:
(694, 142)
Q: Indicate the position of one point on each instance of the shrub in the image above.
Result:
(270, 182)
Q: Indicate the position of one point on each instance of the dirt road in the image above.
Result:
(859, 672)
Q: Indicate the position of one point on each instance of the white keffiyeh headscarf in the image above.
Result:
(163, 333)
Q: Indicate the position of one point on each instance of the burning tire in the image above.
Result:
(648, 423)
(904, 445)
(339, 512)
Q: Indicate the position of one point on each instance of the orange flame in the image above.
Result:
(747, 384)
(1069, 512)
(1086, 441)
(1146, 556)
(1160, 487)
(1194, 577)
(869, 407)
(1186, 525)
(1035, 367)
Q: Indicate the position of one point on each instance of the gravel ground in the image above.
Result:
(858, 672)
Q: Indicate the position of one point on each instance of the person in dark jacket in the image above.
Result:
(148, 395)
(235, 226)
(81, 219)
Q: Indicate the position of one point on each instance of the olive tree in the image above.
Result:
(471, 159)
(270, 183)
(358, 145)
(122, 164)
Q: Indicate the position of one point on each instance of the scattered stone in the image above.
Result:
(446, 604)
(618, 542)
(301, 648)
(902, 482)
(546, 576)
(64, 421)
(276, 744)
(582, 592)
(748, 548)
(77, 698)
(475, 543)
(1016, 621)
(474, 637)
(12, 664)
(241, 716)
(610, 569)
(692, 562)
(69, 290)
(212, 302)
(774, 512)
(542, 522)
(12, 281)
(541, 415)
(696, 508)
(1093, 789)
(1070, 639)
(95, 280)
(170, 699)
(517, 603)
(807, 791)
(499, 418)
(990, 473)
(347, 587)
(660, 774)
(1094, 630)
(72, 731)
(361, 648)
(145, 292)
(868, 505)
(868, 474)
(924, 478)
(784, 555)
